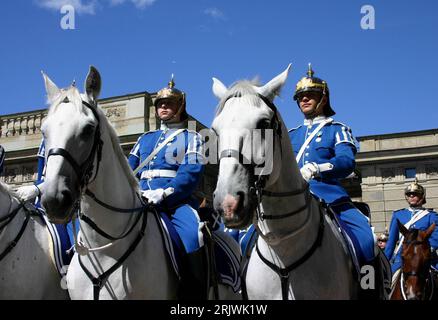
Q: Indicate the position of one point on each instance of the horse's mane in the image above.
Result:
(73, 95)
(115, 142)
(243, 89)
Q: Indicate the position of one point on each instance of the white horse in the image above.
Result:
(27, 266)
(299, 253)
(122, 250)
(128, 258)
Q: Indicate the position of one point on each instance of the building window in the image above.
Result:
(410, 173)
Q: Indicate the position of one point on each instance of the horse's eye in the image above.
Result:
(88, 130)
(264, 124)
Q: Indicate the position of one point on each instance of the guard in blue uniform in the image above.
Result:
(413, 217)
(2, 158)
(169, 179)
(325, 152)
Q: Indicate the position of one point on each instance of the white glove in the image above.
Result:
(157, 195)
(310, 171)
(27, 193)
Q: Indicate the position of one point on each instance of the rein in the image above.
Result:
(84, 172)
(257, 192)
(9, 218)
(429, 278)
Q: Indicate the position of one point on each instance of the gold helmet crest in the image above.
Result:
(416, 188)
(170, 92)
(314, 84)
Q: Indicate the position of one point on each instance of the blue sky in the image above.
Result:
(381, 81)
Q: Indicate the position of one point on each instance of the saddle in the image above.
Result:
(221, 253)
(381, 265)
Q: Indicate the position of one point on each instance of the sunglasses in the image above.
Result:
(413, 195)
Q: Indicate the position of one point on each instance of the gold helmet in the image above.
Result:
(170, 92)
(383, 237)
(311, 83)
(416, 188)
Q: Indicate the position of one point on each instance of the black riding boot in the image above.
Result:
(194, 276)
(382, 284)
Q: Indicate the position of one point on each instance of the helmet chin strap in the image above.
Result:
(177, 114)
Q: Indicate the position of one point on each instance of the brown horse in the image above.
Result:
(416, 280)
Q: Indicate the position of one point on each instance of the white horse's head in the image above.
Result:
(248, 127)
(72, 143)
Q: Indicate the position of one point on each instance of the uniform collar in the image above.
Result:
(413, 210)
(316, 120)
(176, 125)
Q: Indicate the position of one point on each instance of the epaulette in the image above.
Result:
(341, 124)
(295, 128)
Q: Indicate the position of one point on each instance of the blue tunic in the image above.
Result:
(404, 216)
(180, 166)
(333, 144)
(334, 148)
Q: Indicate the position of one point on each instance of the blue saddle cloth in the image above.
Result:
(62, 247)
(227, 263)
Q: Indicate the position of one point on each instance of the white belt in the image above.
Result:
(150, 174)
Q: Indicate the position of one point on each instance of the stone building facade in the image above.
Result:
(386, 164)
(131, 115)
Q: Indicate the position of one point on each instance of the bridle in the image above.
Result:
(6, 220)
(84, 172)
(256, 191)
(427, 278)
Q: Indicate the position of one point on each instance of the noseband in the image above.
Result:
(259, 183)
(83, 171)
(256, 190)
(420, 275)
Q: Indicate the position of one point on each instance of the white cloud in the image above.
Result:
(215, 13)
(140, 4)
(79, 5)
(89, 6)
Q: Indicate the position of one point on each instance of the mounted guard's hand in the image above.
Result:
(157, 195)
(310, 171)
(27, 193)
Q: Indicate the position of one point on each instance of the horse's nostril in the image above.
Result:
(66, 196)
(241, 200)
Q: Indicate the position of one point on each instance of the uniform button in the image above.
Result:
(309, 134)
(169, 143)
(307, 154)
(309, 126)
(154, 158)
(151, 163)
(308, 147)
(306, 162)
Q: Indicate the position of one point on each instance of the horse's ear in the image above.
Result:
(93, 84)
(203, 203)
(219, 89)
(430, 230)
(273, 87)
(52, 89)
(402, 228)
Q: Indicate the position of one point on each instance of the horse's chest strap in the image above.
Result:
(99, 282)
